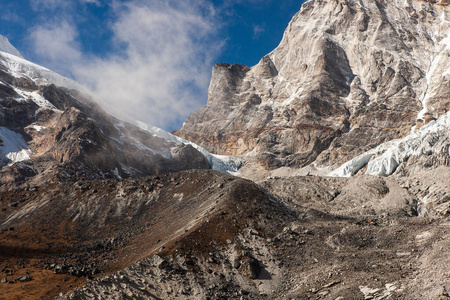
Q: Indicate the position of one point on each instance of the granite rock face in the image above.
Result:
(346, 77)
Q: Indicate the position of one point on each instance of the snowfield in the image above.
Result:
(5, 46)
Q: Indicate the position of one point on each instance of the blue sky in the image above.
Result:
(149, 60)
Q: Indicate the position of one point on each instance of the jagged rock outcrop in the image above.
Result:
(346, 77)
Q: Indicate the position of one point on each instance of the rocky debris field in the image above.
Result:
(208, 235)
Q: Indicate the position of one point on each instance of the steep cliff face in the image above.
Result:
(346, 77)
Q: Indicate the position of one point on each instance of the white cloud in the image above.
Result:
(49, 4)
(56, 44)
(164, 73)
(258, 30)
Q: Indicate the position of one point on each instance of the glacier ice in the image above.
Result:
(227, 164)
(384, 159)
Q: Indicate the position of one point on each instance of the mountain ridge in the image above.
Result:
(51, 128)
(345, 72)
(6, 46)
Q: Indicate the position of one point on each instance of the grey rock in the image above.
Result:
(25, 278)
(347, 76)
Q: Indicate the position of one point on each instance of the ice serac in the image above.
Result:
(346, 77)
(13, 148)
(425, 149)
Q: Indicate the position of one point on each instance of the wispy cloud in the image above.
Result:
(42, 5)
(257, 3)
(38, 5)
(96, 2)
(56, 44)
(258, 30)
(11, 17)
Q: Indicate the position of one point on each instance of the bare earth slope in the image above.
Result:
(205, 234)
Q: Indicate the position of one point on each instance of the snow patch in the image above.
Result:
(20, 67)
(116, 172)
(13, 147)
(435, 65)
(38, 128)
(36, 98)
(5, 46)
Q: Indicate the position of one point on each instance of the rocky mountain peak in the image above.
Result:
(346, 77)
(6, 46)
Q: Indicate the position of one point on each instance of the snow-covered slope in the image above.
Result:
(13, 147)
(5, 46)
(147, 146)
(20, 67)
(228, 164)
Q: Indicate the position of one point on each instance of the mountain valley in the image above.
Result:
(320, 173)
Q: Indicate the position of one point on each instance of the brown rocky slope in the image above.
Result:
(208, 235)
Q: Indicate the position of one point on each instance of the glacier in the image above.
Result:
(384, 159)
(226, 164)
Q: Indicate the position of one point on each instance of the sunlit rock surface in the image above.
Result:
(346, 77)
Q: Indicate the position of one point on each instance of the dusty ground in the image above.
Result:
(208, 235)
